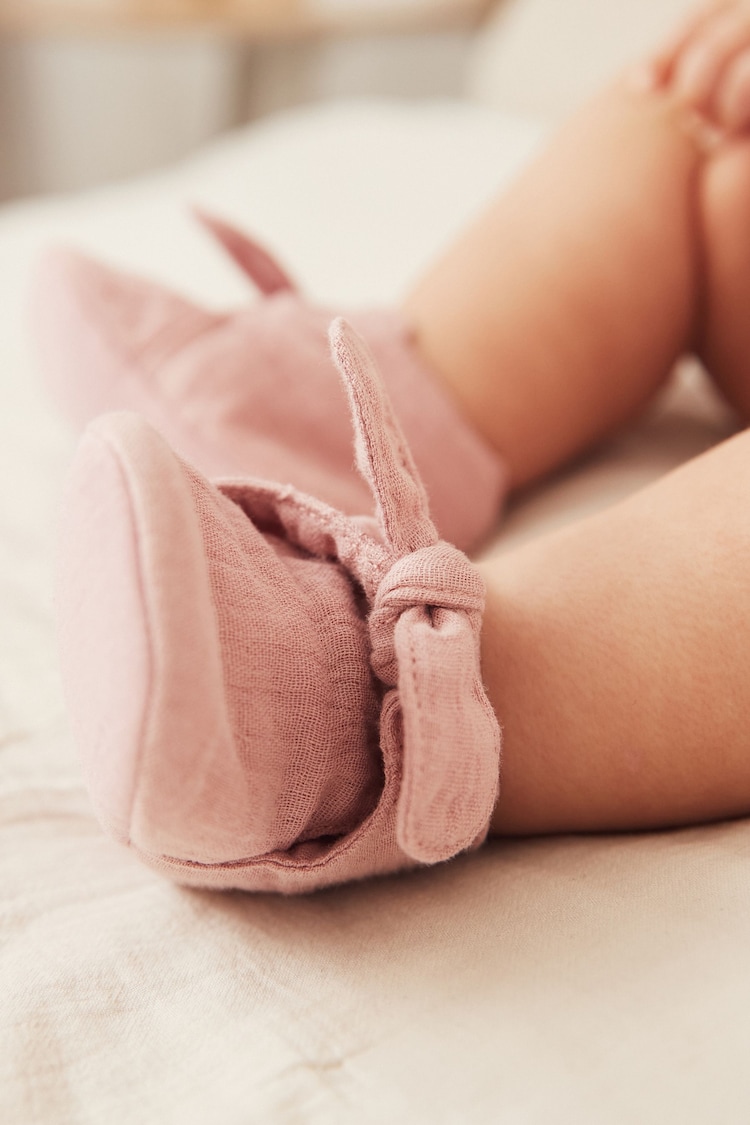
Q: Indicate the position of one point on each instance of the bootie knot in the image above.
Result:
(424, 622)
(427, 585)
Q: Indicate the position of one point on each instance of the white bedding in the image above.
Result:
(570, 980)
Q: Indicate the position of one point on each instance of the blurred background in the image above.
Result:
(95, 90)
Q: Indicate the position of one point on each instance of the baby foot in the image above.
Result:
(706, 65)
(267, 693)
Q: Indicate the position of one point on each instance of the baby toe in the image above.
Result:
(663, 61)
(700, 69)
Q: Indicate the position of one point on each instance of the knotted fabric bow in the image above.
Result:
(424, 626)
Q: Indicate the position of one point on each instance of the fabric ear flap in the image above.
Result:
(251, 258)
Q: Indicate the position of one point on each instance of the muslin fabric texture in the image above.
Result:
(253, 392)
(297, 693)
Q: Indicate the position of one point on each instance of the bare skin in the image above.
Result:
(557, 316)
(615, 652)
(616, 657)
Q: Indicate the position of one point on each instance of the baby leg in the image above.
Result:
(559, 313)
(616, 653)
(724, 338)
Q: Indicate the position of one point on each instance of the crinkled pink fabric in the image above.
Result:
(269, 694)
(253, 392)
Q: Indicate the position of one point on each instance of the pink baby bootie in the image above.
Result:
(253, 392)
(269, 694)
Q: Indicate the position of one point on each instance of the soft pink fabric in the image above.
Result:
(253, 392)
(269, 694)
